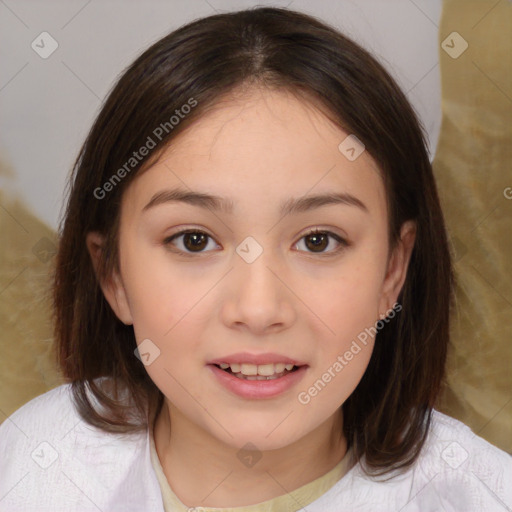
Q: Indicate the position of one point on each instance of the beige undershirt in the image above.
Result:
(290, 502)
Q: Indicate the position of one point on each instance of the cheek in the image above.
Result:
(164, 305)
(348, 306)
(159, 293)
(342, 353)
(169, 305)
(344, 345)
(350, 302)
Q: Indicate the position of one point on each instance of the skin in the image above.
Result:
(257, 149)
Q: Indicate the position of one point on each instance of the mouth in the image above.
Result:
(257, 376)
(245, 371)
(258, 381)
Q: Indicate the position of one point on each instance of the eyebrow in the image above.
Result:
(220, 204)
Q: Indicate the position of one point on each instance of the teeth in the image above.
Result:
(249, 369)
(280, 367)
(256, 377)
(257, 371)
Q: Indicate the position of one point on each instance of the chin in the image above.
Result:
(265, 437)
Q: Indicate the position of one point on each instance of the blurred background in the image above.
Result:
(452, 58)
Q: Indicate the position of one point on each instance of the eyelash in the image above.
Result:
(343, 243)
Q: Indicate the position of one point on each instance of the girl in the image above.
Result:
(251, 294)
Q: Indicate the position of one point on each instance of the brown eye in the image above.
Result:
(195, 241)
(191, 241)
(318, 241)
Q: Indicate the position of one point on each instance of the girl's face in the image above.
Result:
(250, 284)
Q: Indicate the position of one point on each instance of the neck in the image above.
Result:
(203, 471)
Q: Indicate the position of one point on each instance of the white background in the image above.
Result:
(48, 105)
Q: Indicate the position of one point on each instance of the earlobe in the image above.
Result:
(112, 287)
(397, 266)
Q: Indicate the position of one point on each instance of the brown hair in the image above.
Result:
(386, 419)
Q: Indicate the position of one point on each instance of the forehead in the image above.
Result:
(261, 145)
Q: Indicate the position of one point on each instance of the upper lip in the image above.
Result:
(257, 359)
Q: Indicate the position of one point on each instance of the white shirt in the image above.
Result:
(52, 461)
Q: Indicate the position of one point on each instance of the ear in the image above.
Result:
(397, 267)
(112, 287)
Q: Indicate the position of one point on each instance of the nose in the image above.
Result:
(259, 300)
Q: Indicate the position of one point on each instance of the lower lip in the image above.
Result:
(258, 388)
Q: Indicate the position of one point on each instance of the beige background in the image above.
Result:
(473, 167)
